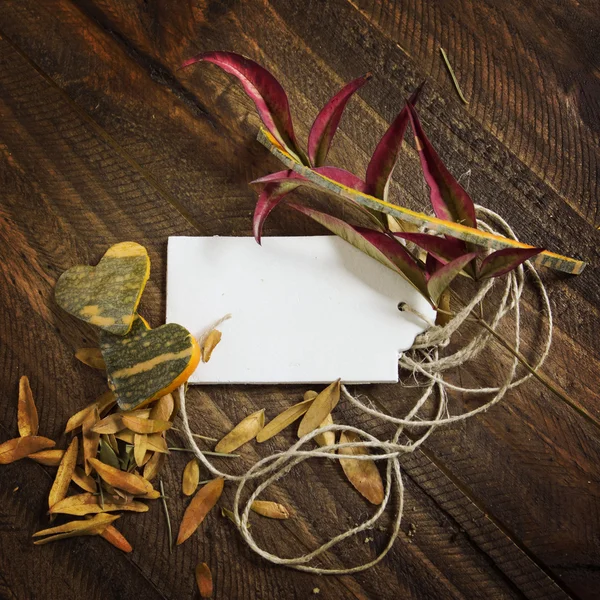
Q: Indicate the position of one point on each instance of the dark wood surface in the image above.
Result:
(102, 139)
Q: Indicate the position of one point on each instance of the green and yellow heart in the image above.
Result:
(148, 363)
(108, 294)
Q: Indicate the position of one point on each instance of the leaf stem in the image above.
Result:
(197, 435)
(166, 509)
(454, 80)
(207, 452)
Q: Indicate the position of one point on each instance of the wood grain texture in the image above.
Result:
(103, 140)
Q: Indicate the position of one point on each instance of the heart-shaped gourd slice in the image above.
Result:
(148, 363)
(108, 294)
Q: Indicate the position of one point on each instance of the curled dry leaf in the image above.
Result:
(191, 477)
(128, 482)
(110, 425)
(273, 510)
(113, 536)
(163, 408)
(206, 497)
(85, 482)
(92, 357)
(210, 343)
(204, 580)
(322, 405)
(27, 417)
(327, 438)
(362, 474)
(282, 420)
(94, 526)
(18, 448)
(91, 439)
(153, 466)
(103, 403)
(142, 425)
(86, 504)
(243, 432)
(140, 446)
(64, 474)
(156, 443)
(49, 458)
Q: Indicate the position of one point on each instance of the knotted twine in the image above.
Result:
(425, 359)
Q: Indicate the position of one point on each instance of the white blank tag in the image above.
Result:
(303, 309)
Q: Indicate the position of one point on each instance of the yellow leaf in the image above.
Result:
(153, 466)
(327, 438)
(282, 420)
(103, 403)
(64, 474)
(85, 482)
(243, 432)
(49, 458)
(85, 504)
(362, 474)
(91, 439)
(210, 343)
(20, 447)
(139, 425)
(92, 357)
(128, 482)
(443, 318)
(27, 417)
(163, 408)
(94, 526)
(206, 497)
(273, 510)
(156, 443)
(109, 425)
(191, 477)
(113, 536)
(204, 580)
(322, 405)
(140, 445)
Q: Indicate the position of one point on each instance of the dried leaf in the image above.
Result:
(153, 466)
(85, 504)
(94, 526)
(104, 402)
(325, 125)
(206, 497)
(383, 161)
(204, 580)
(110, 425)
(264, 90)
(322, 405)
(210, 343)
(163, 408)
(156, 442)
(64, 474)
(273, 510)
(327, 438)
(18, 448)
(27, 416)
(243, 432)
(282, 420)
(113, 536)
(140, 446)
(49, 458)
(362, 474)
(502, 261)
(85, 482)
(92, 357)
(153, 495)
(442, 278)
(310, 395)
(91, 439)
(191, 477)
(443, 317)
(107, 455)
(128, 482)
(139, 425)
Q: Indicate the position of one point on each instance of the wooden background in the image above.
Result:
(102, 140)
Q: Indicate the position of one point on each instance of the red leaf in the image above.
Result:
(374, 243)
(266, 92)
(443, 277)
(269, 198)
(502, 261)
(327, 121)
(383, 161)
(443, 249)
(449, 200)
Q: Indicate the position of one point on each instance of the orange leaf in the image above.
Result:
(111, 424)
(206, 497)
(153, 466)
(273, 510)
(128, 482)
(20, 447)
(163, 408)
(64, 474)
(139, 425)
(85, 504)
(113, 536)
(85, 482)
(27, 417)
(91, 439)
(94, 526)
(49, 458)
(103, 403)
(322, 405)
(204, 580)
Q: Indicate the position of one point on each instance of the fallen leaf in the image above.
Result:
(443, 318)
(155, 444)
(140, 445)
(322, 405)
(18, 448)
(153, 495)
(64, 474)
(191, 477)
(104, 402)
(94, 526)
(85, 504)
(282, 420)
(27, 417)
(273, 510)
(327, 438)
(206, 497)
(139, 425)
(153, 466)
(110, 425)
(243, 432)
(210, 343)
(107, 454)
(204, 580)
(92, 357)
(362, 474)
(113, 536)
(128, 482)
(49, 458)
(91, 439)
(85, 482)
(163, 408)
